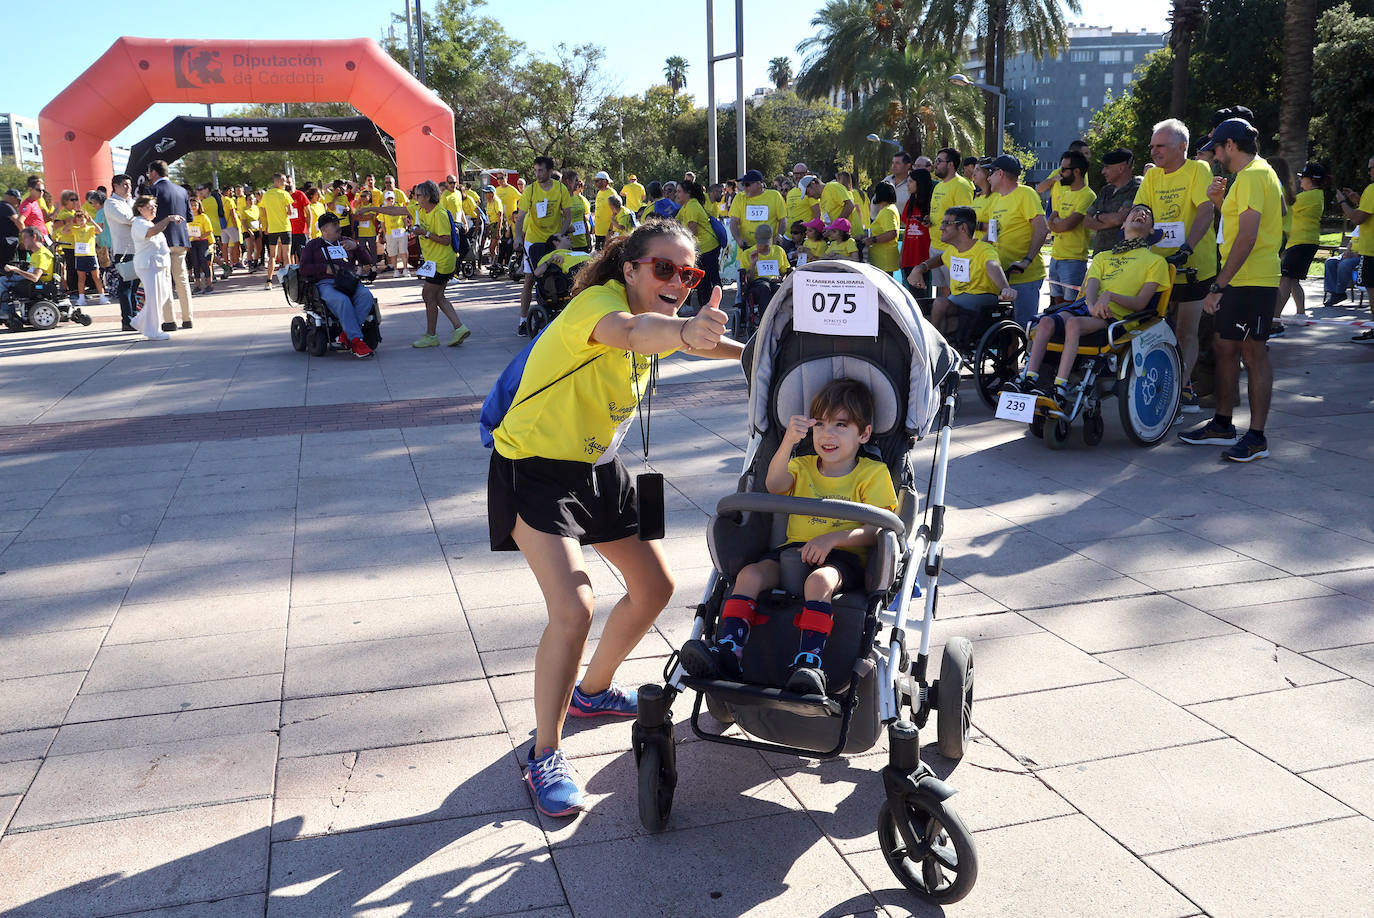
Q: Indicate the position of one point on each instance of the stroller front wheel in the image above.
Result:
(928, 848)
(656, 788)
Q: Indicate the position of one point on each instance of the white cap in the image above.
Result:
(806, 181)
(389, 196)
(601, 175)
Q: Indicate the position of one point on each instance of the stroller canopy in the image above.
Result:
(932, 357)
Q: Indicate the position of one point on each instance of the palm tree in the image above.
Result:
(1004, 27)
(780, 72)
(838, 57)
(912, 99)
(1187, 18)
(1295, 102)
(675, 72)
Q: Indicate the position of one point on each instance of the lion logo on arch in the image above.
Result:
(196, 67)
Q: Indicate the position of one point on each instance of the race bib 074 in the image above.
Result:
(959, 270)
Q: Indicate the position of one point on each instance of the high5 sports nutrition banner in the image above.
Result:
(182, 135)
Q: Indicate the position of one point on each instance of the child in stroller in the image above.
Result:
(840, 423)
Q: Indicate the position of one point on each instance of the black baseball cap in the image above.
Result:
(1119, 155)
(13, 193)
(1230, 129)
(1311, 170)
(1004, 162)
(748, 178)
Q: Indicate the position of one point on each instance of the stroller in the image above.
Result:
(873, 680)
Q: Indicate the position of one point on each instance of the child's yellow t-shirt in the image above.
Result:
(868, 483)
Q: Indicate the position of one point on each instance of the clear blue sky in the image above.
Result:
(634, 50)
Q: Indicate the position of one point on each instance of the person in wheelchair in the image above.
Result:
(840, 422)
(25, 282)
(554, 273)
(763, 266)
(328, 261)
(1121, 281)
(977, 281)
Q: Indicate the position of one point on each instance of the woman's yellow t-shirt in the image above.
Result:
(251, 218)
(867, 483)
(693, 212)
(1127, 272)
(577, 229)
(590, 390)
(968, 271)
(885, 256)
(441, 253)
(313, 214)
(200, 228)
(1307, 217)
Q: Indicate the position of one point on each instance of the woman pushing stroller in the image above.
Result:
(555, 483)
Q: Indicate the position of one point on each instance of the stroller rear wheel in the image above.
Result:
(929, 849)
(954, 698)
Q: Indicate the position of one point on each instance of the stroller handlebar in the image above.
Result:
(864, 514)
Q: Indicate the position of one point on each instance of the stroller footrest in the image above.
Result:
(766, 696)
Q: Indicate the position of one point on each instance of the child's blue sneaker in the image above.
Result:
(551, 780)
(616, 701)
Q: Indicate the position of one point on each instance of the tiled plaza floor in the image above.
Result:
(256, 659)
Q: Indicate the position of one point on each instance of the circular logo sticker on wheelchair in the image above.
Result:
(1155, 383)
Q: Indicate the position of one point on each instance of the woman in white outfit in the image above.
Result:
(153, 265)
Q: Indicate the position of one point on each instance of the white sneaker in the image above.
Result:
(81, 299)
(102, 300)
(405, 272)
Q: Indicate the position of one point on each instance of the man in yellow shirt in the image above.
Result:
(1176, 191)
(1242, 298)
(836, 203)
(799, 208)
(976, 276)
(601, 211)
(365, 227)
(545, 209)
(756, 205)
(1363, 245)
(951, 190)
(1016, 226)
(1070, 199)
(510, 197)
(275, 207)
(632, 194)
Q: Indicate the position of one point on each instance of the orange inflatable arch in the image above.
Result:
(76, 127)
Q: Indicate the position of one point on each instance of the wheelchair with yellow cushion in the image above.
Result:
(1135, 358)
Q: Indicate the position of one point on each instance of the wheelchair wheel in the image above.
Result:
(929, 849)
(44, 314)
(298, 333)
(1149, 400)
(1093, 427)
(513, 267)
(1037, 427)
(537, 318)
(655, 789)
(1057, 434)
(954, 698)
(317, 341)
(997, 359)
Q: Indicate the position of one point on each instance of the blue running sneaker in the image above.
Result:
(1188, 401)
(616, 701)
(550, 779)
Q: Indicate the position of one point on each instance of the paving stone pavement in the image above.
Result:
(256, 659)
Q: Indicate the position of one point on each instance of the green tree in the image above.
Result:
(912, 99)
(556, 100)
(469, 63)
(12, 176)
(675, 72)
(839, 57)
(1343, 91)
(1005, 27)
(780, 72)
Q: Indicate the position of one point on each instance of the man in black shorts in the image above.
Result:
(1243, 295)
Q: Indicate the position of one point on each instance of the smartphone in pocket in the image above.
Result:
(649, 505)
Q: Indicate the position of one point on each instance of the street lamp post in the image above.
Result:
(960, 80)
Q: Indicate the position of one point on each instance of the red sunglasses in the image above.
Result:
(665, 269)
